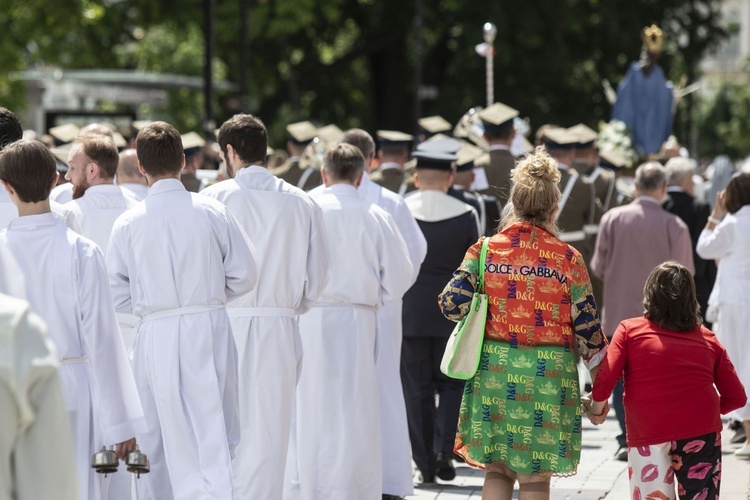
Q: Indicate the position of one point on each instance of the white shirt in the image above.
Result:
(138, 191)
(62, 193)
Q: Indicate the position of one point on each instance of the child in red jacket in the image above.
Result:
(673, 368)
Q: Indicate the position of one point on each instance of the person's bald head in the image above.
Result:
(127, 169)
(651, 180)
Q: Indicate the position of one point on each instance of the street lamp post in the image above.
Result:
(208, 74)
(490, 32)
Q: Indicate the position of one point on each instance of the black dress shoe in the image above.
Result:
(392, 497)
(445, 469)
(458, 458)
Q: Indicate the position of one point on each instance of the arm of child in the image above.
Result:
(731, 391)
(611, 367)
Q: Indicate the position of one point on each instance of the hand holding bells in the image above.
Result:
(105, 462)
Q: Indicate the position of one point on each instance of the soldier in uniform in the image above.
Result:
(393, 151)
(578, 202)
(499, 134)
(301, 134)
(587, 164)
(193, 144)
(614, 162)
(487, 207)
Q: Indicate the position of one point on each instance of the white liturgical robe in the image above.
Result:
(70, 292)
(8, 212)
(174, 259)
(337, 420)
(138, 191)
(33, 417)
(62, 193)
(97, 210)
(293, 263)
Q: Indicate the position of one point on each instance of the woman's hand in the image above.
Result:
(720, 206)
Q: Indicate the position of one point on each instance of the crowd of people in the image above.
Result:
(279, 333)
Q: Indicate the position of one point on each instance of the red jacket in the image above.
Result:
(669, 381)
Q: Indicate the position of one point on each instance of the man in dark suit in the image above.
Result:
(450, 228)
(499, 134)
(681, 202)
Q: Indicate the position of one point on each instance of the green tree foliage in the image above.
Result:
(351, 62)
(724, 128)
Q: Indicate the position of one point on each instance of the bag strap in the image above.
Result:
(482, 261)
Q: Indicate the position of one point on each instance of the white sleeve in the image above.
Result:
(117, 270)
(318, 261)
(240, 259)
(713, 244)
(395, 264)
(41, 415)
(121, 414)
(412, 235)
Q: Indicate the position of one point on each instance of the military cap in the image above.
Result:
(443, 145)
(559, 138)
(192, 142)
(467, 155)
(586, 136)
(434, 160)
(434, 124)
(330, 133)
(65, 133)
(612, 160)
(394, 138)
(302, 132)
(497, 117)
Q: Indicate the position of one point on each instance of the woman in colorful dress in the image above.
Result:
(520, 417)
(678, 380)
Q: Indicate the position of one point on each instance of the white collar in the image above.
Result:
(435, 206)
(164, 185)
(499, 147)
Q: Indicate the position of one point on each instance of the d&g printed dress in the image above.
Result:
(522, 408)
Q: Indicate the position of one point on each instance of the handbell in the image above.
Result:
(104, 461)
(138, 463)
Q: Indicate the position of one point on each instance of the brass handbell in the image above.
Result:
(138, 463)
(104, 461)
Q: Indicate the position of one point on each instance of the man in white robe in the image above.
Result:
(174, 259)
(293, 265)
(67, 285)
(32, 411)
(338, 418)
(394, 432)
(11, 131)
(97, 200)
(128, 175)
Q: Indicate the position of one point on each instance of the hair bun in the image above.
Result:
(538, 166)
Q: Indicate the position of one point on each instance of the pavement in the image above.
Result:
(599, 475)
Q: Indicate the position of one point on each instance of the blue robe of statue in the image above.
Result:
(644, 103)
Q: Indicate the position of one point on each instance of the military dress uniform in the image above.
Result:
(390, 174)
(499, 161)
(305, 177)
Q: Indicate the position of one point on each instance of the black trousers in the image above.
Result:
(431, 430)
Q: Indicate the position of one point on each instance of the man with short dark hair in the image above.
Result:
(393, 151)
(338, 421)
(97, 200)
(71, 293)
(632, 240)
(293, 266)
(174, 260)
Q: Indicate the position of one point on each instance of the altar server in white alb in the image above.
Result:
(67, 285)
(33, 417)
(338, 417)
(174, 259)
(128, 175)
(10, 132)
(97, 200)
(293, 265)
(394, 431)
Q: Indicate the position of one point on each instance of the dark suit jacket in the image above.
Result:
(483, 204)
(498, 168)
(694, 214)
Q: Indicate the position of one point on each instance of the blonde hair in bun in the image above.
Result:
(534, 193)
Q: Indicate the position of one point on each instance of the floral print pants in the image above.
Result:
(693, 464)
